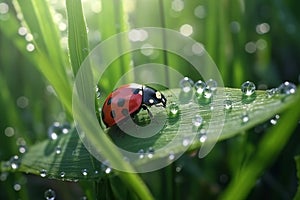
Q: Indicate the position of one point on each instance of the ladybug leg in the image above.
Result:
(149, 112)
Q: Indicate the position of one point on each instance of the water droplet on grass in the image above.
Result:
(271, 92)
(98, 93)
(274, 120)
(150, 152)
(84, 172)
(171, 156)
(227, 104)
(287, 88)
(248, 88)
(65, 128)
(212, 84)
(57, 150)
(207, 93)
(141, 153)
(173, 110)
(62, 174)
(54, 131)
(17, 187)
(14, 162)
(186, 84)
(49, 194)
(43, 173)
(200, 87)
(245, 118)
(22, 149)
(197, 121)
(202, 135)
(185, 142)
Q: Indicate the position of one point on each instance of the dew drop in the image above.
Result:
(185, 142)
(49, 194)
(62, 174)
(17, 187)
(98, 93)
(9, 131)
(14, 162)
(54, 131)
(245, 118)
(178, 168)
(202, 136)
(274, 120)
(65, 128)
(3, 8)
(227, 104)
(84, 172)
(173, 109)
(207, 93)
(30, 47)
(171, 156)
(22, 149)
(43, 173)
(57, 150)
(197, 121)
(3, 176)
(186, 84)
(200, 87)
(271, 92)
(212, 84)
(150, 152)
(248, 88)
(141, 153)
(107, 170)
(287, 88)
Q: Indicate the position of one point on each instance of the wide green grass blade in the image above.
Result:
(268, 149)
(74, 157)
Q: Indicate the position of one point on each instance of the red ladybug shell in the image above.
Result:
(122, 102)
(128, 100)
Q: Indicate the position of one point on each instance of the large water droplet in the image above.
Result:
(49, 194)
(199, 87)
(212, 84)
(186, 84)
(248, 88)
(43, 173)
(287, 88)
(227, 104)
(173, 109)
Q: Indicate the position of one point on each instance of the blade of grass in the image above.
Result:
(297, 160)
(77, 34)
(268, 149)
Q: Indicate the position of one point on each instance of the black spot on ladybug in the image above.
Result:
(109, 101)
(125, 112)
(121, 102)
(136, 91)
(112, 114)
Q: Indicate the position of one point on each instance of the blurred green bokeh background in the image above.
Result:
(248, 40)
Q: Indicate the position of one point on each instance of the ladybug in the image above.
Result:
(127, 100)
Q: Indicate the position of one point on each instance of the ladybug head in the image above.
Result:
(153, 97)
